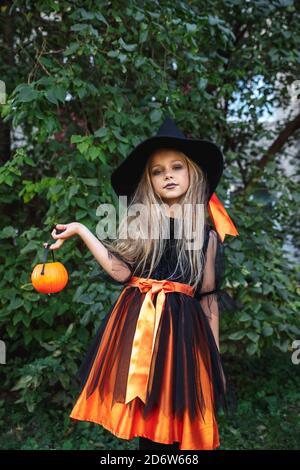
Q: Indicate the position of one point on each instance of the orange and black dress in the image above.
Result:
(154, 368)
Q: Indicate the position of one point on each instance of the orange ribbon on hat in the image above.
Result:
(220, 217)
(146, 329)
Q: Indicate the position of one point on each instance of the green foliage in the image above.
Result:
(87, 86)
(265, 397)
(267, 284)
(55, 370)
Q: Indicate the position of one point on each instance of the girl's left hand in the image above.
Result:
(69, 230)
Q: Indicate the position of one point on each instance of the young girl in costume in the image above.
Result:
(154, 368)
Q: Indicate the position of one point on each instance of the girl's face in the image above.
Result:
(169, 166)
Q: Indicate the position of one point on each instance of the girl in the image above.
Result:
(154, 369)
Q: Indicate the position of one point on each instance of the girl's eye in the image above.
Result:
(177, 167)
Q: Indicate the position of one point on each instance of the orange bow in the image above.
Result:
(220, 218)
(146, 329)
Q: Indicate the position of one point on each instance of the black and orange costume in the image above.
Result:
(154, 369)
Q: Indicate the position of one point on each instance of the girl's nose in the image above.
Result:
(168, 174)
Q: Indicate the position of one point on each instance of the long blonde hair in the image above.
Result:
(144, 252)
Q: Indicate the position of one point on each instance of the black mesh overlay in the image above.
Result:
(184, 336)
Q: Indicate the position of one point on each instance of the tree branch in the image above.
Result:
(274, 148)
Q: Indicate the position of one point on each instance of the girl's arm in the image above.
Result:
(209, 302)
(212, 276)
(211, 309)
(112, 265)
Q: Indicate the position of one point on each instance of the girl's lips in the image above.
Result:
(171, 187)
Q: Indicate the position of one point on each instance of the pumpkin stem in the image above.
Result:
(45, 256)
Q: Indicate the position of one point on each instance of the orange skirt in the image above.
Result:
(156, 371)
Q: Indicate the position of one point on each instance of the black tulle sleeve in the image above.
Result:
(214, 299)
(122, 270)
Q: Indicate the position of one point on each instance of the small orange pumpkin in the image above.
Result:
(48, 278)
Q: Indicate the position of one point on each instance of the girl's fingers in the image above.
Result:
(55, 245)
(60, 226)
(56, 235)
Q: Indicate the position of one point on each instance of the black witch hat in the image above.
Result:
(206, 154)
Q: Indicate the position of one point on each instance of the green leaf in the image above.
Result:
(86, 15)
(77, 138)
(56, 94)
(8, 232)
(252, 348)
(93, 153)
(139, 62)
(11, 330)
(51, 124)
(143, 38)
(26, 319)
(245, 317)
(253, 336)
(191, 27)
(83, 146)
(73, 190)
(155, 115)
(22, 382)
(79, 27)
(139, 16)
(17, 317)
(213, 21)
(27, 94)
(101, 132)
(122, 57)
(113, 53)
(73, 47)
(90, 181)
(119, 136)
(100, 17)
(267, 330)
(237, 335)
(127, 47)
(85, 299)
(31, 246)
(81, 214)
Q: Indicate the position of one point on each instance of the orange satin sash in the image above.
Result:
(146, 329)
(220, 218)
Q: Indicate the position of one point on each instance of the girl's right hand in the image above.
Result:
(69, 230)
